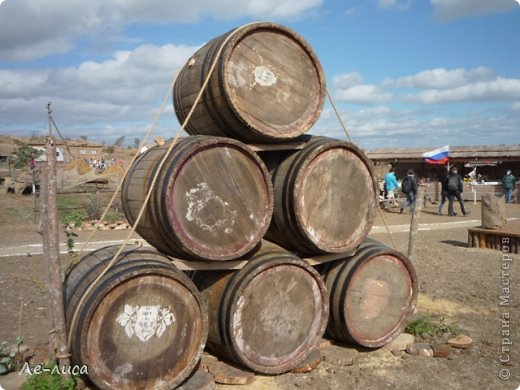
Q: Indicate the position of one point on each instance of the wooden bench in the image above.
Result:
(500, 239)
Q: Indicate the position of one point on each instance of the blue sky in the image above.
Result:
(402, 72)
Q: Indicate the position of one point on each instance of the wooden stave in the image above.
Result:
(156, 228)
(216, 113)
(147, 227)
(133, 264)
(287, 228)
(338, 274)
(220, 288)
(153, 217)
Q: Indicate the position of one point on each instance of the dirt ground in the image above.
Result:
(457, 283)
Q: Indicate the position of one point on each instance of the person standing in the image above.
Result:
(444, 191)
(454, 186)
(409, 188)
(508, 182)
(391, 185)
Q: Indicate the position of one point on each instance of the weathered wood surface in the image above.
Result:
(197, 265)
(309, 364)
(213, 199)
(53, 257)
(506, 239)
(268, 85)
(278, 146)
(372, 295)
(144, 325)
(229, 375)
(325, 197)
(201, 380)
(269, 315)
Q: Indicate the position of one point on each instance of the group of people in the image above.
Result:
(101, 163)
(409, 187)
(452, 186)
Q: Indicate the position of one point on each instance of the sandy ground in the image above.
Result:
(457, 283)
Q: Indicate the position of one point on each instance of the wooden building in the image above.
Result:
(73, 149)
(491, 161)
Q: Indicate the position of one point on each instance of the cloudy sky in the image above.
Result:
(402, 72)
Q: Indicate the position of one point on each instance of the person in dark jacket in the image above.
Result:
(454, 186)
(508, 182)
(409, 188)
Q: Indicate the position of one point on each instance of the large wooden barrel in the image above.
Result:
(143, 325)
(213, 199)
(268, 85)
(325, 197)
(269, 315)
(372, 295)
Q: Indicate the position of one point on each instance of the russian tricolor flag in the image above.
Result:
(437, 156)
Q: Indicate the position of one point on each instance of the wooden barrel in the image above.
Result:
(269, 315)
(325, 197)
(213, 199)
(268, 85)
(144, 324)
(372, 295)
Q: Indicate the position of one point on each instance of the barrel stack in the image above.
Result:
(247, 184)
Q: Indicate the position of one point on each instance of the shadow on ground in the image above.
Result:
(455, 243)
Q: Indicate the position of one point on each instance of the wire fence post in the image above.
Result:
(55, 282)
(414, 223)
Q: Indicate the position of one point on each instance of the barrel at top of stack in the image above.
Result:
(267, 86)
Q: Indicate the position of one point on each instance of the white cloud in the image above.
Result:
(421, 118)
(349, 88)
(347, 80)
(454, 9)
(363, 94)
(125, 88)
(457, 85)
(437, 122)
(499, 89)
(398, 127)
(441, 78)
(394, 4)
(433, 86)
(35, 28)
